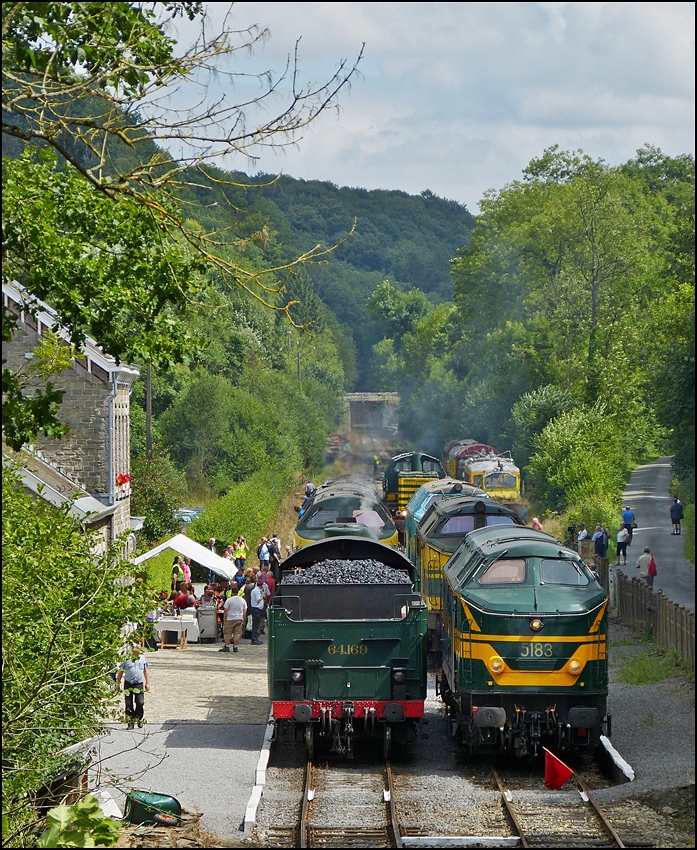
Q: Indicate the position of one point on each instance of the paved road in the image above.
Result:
(648, 495)
(206, 717)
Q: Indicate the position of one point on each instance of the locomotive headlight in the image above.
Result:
(496, 664)
(297, 676)
(398, 676)
(575, 667)
(536, 625)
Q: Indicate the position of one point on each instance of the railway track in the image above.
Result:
(344, 805)
(575, 820)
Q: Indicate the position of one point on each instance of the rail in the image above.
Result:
(563, 831)
(371, 833)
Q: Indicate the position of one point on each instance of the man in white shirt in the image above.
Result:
(582, 533)
(235, 612)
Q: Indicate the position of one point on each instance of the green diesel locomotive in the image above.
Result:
(524, 644)
(347, 659)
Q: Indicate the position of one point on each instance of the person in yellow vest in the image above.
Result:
(178, 575)
(240, 549)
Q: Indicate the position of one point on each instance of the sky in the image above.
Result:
(457, 98)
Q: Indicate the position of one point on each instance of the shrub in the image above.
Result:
(247, 509)
(63, 611)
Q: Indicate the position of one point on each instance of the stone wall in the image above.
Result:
(88, 455)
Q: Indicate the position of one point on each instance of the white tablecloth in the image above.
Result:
(177, 624)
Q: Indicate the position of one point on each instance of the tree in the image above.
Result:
(59, 56)
(88, 81)
(158, 489)
(56, 651)
(397, 311)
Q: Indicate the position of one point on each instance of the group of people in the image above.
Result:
(646, 563)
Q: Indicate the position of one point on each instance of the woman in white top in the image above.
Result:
(622, 538)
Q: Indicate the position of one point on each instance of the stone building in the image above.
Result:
(85, 466)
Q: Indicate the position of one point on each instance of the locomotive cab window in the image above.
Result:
(478, 480)
(322, 517)
(499, 520)
(500, 480)
(423, 507)
(371, 519)
(505, 571)
(428, 465)
(458, 525)
(558, 571)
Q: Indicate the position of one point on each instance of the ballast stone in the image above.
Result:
(337, 571)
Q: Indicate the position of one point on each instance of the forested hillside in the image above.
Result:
(570, 338)
(379, 235)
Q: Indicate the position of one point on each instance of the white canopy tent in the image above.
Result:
(182, 545)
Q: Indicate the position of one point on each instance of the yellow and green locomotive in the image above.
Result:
(428, 494)
(347, 654)
(403, 476)
(524, 644)
(442, 529)
(344, 500)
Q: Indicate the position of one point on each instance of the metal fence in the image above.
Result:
(670, 625)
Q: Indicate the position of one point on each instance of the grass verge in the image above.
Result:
(650, 667)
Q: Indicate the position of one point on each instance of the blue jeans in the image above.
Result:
(256, 619)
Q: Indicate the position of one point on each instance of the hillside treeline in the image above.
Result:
(570, 336)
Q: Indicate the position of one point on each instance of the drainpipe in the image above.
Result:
(112, 471)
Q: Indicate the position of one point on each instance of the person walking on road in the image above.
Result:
(235, 612)
(647, 566)
(676, 515)
(629, 521)
(137, 683)
(622, 540)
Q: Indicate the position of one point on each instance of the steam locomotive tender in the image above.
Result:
(524, 644)
(347, 660)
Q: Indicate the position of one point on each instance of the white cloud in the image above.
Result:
(458, 97)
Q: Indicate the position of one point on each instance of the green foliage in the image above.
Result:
(54, 39)
(398, 312)
(100, 262)
(158, 489)
(58, 650)
(671, 378)
(247, 509)
(580, 465)
(79, 825)
(650, 667)
(532, 412)
(24, 416)
(157, 571)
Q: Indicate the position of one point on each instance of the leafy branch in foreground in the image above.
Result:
(92, 79)
(57, 653)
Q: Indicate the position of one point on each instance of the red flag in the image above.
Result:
(556, 772)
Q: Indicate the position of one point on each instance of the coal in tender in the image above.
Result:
(337, 571)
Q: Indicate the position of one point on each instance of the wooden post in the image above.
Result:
(148, 413)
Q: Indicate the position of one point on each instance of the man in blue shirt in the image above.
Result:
(628, 519)
(137, 682)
